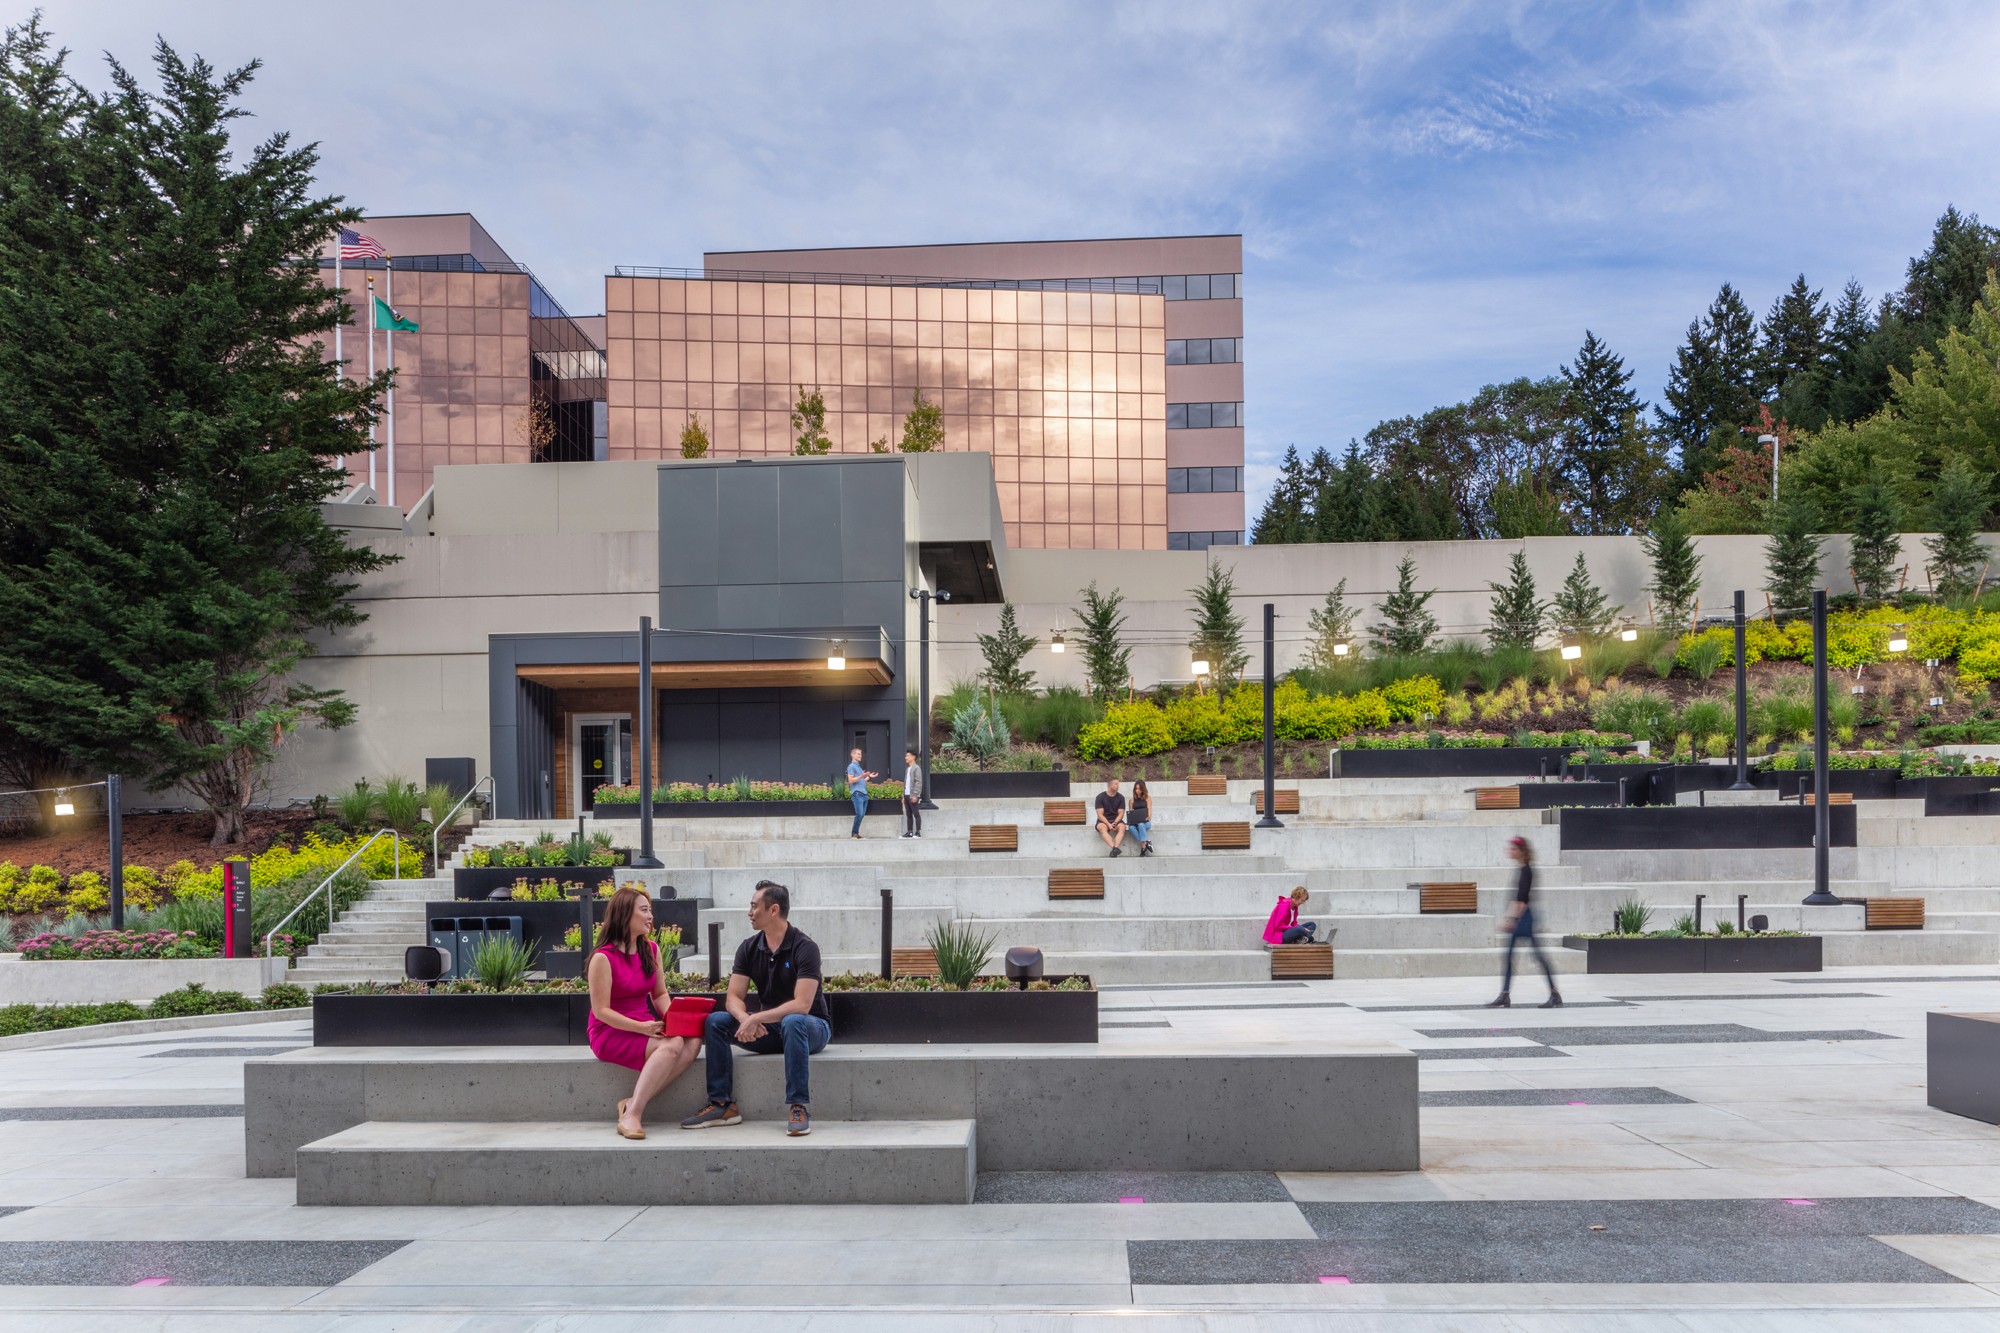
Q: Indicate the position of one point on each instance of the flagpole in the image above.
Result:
(340, 369)
(389, 263)
(371, 381)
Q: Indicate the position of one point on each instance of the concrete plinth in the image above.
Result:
(137, 980)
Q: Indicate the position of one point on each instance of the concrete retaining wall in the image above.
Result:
(100, 981)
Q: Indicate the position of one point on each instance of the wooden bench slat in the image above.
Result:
(1207, 784)
(1062, 812)
(1496, 798)
(1285, 798)
(1085, 882)
(994, 838)
(1448, 897)
(1895, 913)
(1225, 835)
(913, 962)
(1832, 798)
(1302, 962)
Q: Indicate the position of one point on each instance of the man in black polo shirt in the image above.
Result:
(791, 1014)
(1111, 816)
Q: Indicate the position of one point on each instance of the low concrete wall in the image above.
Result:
(1319, 1106)
(102, 980)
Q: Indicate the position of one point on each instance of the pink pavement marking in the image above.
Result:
(1802, 1203)
(1335, 1280)
(152, 1282)
(1576, 1103)
(1131, 1198)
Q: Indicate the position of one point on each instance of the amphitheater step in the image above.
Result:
(390, 1163)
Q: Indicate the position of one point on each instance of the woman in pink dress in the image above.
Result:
(628, 994)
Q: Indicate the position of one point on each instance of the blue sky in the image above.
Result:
(1432, 196)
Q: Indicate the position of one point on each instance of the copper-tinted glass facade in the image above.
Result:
(1066, 390)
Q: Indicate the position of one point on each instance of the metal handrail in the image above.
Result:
(438, 825)
(397, 839)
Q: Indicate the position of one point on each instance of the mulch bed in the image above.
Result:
(156, 840)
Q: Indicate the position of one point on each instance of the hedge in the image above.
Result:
(1142, 727)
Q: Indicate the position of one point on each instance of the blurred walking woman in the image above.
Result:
(628, 995)
(1519, 924)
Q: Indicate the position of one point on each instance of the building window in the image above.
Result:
(1204, 351)
(1202, 287)
(1201, 541)
(1203, 480)
(1203, 416)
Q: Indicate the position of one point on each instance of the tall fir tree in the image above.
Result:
(1958, 511)
(1712, 386)
(1100, 621)
(1676, 566)
(1517, 614)
(1329, 626)
(1407, 626)
(1942, 283)
(1875, 546)
(1613, 463)
(1793, 555)
(1580, 612)
(1004, 650)
(169, 428)
(1218, 630)
(1287, 515)
(1792, 344)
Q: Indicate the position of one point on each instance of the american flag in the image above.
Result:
(353, 245)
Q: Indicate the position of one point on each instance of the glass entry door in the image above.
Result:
(603, 751)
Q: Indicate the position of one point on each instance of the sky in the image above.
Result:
(1432, 196)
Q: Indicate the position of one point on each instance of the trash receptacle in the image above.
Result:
(471, 933)
(504, 927)
(444, 936)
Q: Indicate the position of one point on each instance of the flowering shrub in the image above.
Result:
(95, 944)
(314, 854)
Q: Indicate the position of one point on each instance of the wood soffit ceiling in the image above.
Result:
(710, 675)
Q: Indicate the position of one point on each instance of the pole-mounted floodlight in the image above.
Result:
(1056, 642)
(836, 660)
(64, 805)
(1772, 440)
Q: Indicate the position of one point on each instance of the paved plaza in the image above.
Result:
(1663, 1152)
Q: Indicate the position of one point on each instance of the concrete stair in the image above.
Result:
(566, 1163)
(367, 942)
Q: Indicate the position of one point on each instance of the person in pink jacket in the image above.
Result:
(1284, 927)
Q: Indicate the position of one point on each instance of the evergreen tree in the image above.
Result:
(1328, 626)
(1407, 626)
(1286, 516)
(1580, 611)
(1794, 552)
(1107, 662)
(1005, 650)
(1614, 465)
(694, 439)
(1793, 342)
(1875, 545)
(1676, 584)
(1218, 630)
(923, 427)
(1712, 385)
(1527, 506)
(1944, 281)
(169, 428)
(1517, 614)
(809, 420)
(1958, 511)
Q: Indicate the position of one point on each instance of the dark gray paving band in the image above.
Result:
(1154, 1023)
(1490, 1053)
(1481, 1004)
(223, 1111)
(1553, 1097)
(1672, 1240)
(211, 1052)
(1121, 1186)
(1747, 995)
(1661, 1034)
(1215, 985)
(197, 1263)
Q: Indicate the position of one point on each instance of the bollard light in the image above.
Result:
(1340, 650)
(1571, 652)
(1899, 644)
(1200, 666)
(1629, 634)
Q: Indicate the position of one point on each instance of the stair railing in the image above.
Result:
(439, 825)
(395, 837)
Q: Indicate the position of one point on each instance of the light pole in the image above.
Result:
(922, 597)
(1742, 782)
(1772, 440)
(1822, 816)
(1270, 819)
(644, 859)
(115, 814)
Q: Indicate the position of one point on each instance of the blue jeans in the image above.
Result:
(1299, 934)
(858, 795)
(1524, 929)
(1142, 831)
(796, 1035)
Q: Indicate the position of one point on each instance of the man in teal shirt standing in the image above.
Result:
(857, 788)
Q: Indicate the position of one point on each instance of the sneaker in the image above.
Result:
(715, 1113)
(801, 1122)
(909, 835)
(918, 834)
(1118, 851)
(1554, 1001)
(1502, 1003)
(1145, 849)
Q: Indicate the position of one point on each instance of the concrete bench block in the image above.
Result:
(470, 1164)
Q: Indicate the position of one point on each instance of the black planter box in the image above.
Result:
(1864, 784)
(543, 924)
(1962, 1063)
(999, 786)
(1708, 953)
(563, 964)
(1960, 795)
(745, 809)
(477, 883)
(1690, 828)
(1491, 762)
(1547, 795)
(893, 1017)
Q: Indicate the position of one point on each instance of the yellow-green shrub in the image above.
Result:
(142, 888)
(1978, 653)
(1413, 699)
(87, 893)
(313, 855)
(40, 891)
(1126, 729)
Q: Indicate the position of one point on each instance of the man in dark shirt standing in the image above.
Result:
(791, 1014)
(1111, 817)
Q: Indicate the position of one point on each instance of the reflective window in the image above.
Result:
(1203, 480)
(1201, 541)
(1203, 416)
(1174, 289)
(1204, 351)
